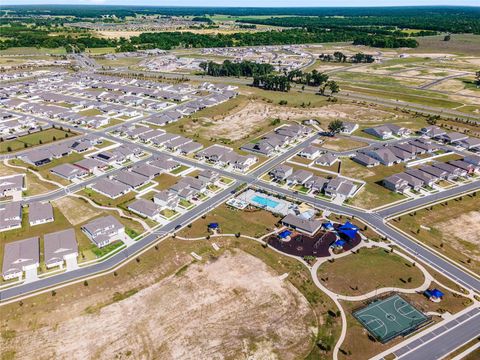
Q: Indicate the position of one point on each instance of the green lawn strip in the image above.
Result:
(368, 270)
(38, 138)
(179, 169)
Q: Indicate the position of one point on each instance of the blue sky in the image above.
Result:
(251, 3)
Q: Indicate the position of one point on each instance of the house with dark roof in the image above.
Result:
(281, 172)
(454, 171)
(365, 160)
(299, 177)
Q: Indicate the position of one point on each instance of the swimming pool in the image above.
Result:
(265, 202)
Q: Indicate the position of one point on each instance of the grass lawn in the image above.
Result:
(41, 137)
(368, 270)
(33, 51)
(373, 193)
(90, 112)
(165, 181)
(104, 144)
(459, 243)
(179, 169)
(253, 223)
(104, 200)
(342, 144)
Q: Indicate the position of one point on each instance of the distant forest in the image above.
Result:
(42, 26)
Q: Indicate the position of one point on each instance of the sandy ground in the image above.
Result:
(75, 210)
(254, 115)
(233, 307)
(342, 144)
(468, 231)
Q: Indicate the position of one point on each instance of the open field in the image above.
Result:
(342, 143)
(41, 137)
(373, 194)
(454, 229)
(33, 51)
(253, 223)
(40, 315)
(244, 312)
(368, 270)
(462, 44)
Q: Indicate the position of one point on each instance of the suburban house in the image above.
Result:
(166, 199)
(208, 176)
(12, 184)
(281, 172)
(470, 144)
(454, 137)
(349, 128)
(189, 187)
(340, 187)
(388, 131)
(365, 160)
(145, 208)
(147, 170)
(310, 152)
(299, 177)
(307, 226)
(427, 179)
(110, 188)
(132, 179)
(475, 160)
(469, 168)
(454, 172)
(385, 156)
(316, 183)
(11, 216)
(432, 131)
(326, 159)
(436, 172)
(40, 213)
(91, 165)
(60, 246)
(20, 256)
(38, 157)
(396, 183)
(68, 171)
(104, 230)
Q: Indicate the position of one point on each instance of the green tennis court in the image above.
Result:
(388, 318)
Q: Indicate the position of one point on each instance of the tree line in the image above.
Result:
(229, 68)
(339, 56)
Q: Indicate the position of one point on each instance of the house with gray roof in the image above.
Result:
(310, 152)
(20, 256)
(145, 208)
(208, 176)
(40, 213)
(327, 159)
(281, 172)
(436, 172)
(472, 159)
(91, 165)
(11, 184)
(132, 179)
(454, 137)
(427, 179)
(348, 128)
(454, 171)
(432, 131)
(190, 148)
(414, 182)
(299, 176)
(469, 168)
(10, 216)
(365, 160)
(470, 144)
(340, 187)
(166, 199)
(104, 230)
(37, 157)
(395, 183)
(147, 170)
(59, 247)
(68, 171)
(110, 188)
(316, 183)
(384, 155)
(308, 226)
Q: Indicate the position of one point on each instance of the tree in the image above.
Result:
(447, 37)
(333, 86)
(336, 126)
(477, 78)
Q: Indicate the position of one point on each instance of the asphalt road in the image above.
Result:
(437, 343)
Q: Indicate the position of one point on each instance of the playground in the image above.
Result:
(385, 319)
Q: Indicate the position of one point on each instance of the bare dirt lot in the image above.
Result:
(231, 307)
(468, 231)
(76, 211)
(254, 115)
